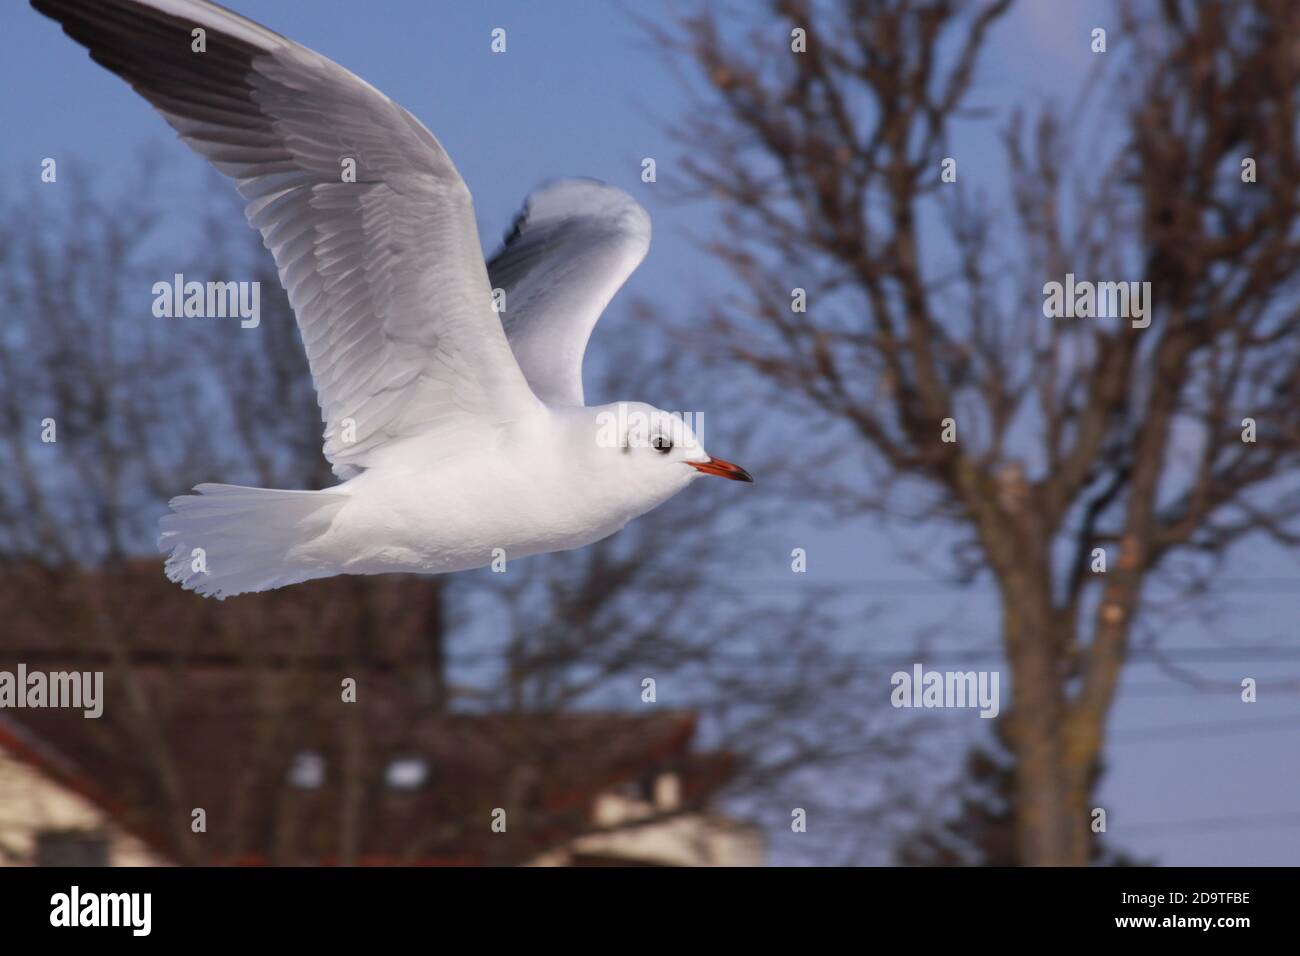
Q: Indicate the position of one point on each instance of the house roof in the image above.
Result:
(20, 743)
(543, 771)
(209, 706)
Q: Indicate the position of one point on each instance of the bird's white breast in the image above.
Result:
(428, 510)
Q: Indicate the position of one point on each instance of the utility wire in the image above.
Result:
(1206, 729)
(1210, 824)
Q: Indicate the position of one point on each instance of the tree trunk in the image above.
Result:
(1051, 822)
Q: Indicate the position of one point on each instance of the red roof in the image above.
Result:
(207, 705)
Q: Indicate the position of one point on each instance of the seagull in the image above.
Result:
(450, 387)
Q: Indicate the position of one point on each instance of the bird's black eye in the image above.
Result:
(661, 444)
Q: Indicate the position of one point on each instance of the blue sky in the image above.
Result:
(580, 92)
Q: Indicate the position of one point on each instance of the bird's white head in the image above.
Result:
(651, 454)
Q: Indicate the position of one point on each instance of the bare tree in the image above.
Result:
(926, 310)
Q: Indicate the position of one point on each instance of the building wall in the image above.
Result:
(691, 839)
(30, 802)
(688, 840)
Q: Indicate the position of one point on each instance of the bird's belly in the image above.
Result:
(462, 517)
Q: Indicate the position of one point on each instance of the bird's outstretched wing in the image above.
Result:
(385, 273)
(570, 249)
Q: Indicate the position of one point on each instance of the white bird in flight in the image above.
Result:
(460, 434)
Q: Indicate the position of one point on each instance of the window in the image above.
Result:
(71, 848)
(307, 772)
(406, 773)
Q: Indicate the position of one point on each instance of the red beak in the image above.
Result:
(723, 469)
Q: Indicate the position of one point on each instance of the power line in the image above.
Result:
(1174, 684)
(1206, 729)
(1178, 689)
(1231, 655)
(803, 583)
(1211, 824)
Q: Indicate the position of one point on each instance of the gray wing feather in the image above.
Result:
(385, 274)
(569, 251)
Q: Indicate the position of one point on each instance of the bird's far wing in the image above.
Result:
(385, 273)
(571, 247)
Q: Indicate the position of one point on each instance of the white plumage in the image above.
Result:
(460, 435)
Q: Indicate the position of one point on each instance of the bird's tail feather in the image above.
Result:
(228, 539)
